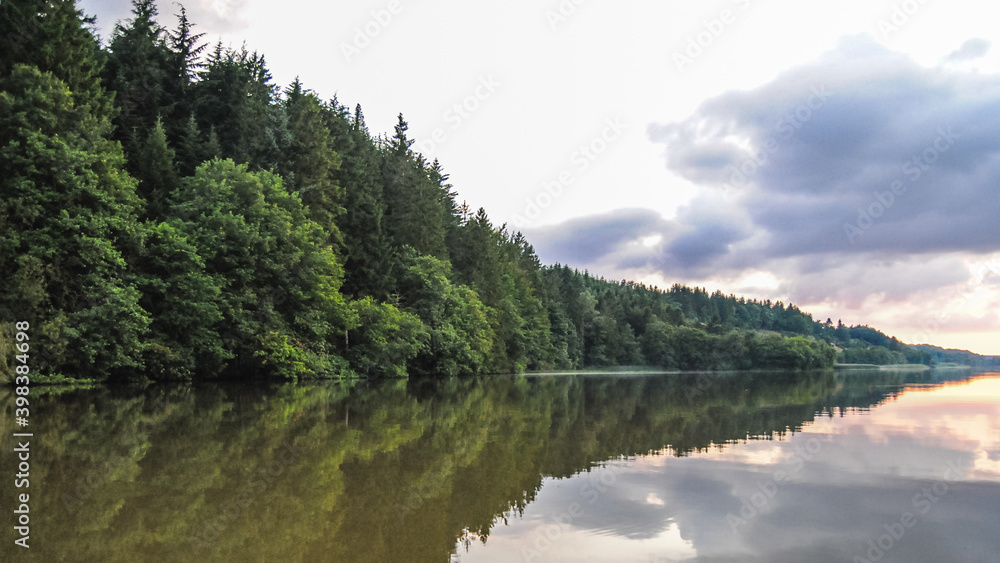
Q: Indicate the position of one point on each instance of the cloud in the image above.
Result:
(212, 17)
(218, 17)
(588, 239)
(972, 49)
(859, 174)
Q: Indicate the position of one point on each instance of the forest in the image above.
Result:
(170, 213)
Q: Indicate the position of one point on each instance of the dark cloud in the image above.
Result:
(585, 240)
(862, 157)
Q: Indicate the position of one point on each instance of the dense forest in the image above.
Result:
(959, 357)
(168, 212)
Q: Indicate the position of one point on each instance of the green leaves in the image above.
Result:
(69, 216)
(276, 283)
(384, 339)
(460, 337)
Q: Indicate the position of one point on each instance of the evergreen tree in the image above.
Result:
(139, 69)
(156, 171)
(191, 148)
(367, 251)
(235, 97)
(187, 49)
(415, 215)
(53, 36)
(310, 161)
(68, 223)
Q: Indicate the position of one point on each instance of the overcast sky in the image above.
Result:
(843, 156)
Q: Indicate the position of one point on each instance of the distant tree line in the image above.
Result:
(168, 211)
(961, 357)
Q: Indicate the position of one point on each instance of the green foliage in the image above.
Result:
(184, 304)
(460, 337)
(54, 37)
(156, 171)
(269, 261)
(504, 270)
(139, 69)
(310, 161)
(69, 223)
(281, 358)
(234, 98)
(934, 354)
(414, 212)
(369, 260)
(384, 340)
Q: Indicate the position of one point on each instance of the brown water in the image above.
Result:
(614, 467)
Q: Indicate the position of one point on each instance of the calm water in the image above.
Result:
(817, 467)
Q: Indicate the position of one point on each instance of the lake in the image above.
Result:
(732, 467)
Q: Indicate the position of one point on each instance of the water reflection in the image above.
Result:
(548, 468)
(916, 479)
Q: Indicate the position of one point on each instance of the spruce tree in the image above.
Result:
(139, 69)
(190, 150)
(53, 37)
(311, 162)
(415, 214)
(367, 247)
(186, 50)
(156, 171)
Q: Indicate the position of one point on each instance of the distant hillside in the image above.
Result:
(964, 357)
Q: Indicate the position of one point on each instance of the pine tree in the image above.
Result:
(310, 161)
(367, 251)
(190, 148)
(414, 203)
(139, 69)
(53, 37)
(235, 97)
(186, 48)
(156, 171)
(213, 146)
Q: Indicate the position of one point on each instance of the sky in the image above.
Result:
(839, 156)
